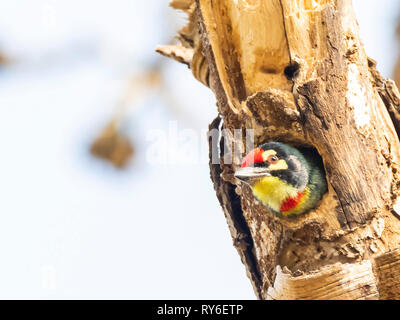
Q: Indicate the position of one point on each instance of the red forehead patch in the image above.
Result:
(254, 156)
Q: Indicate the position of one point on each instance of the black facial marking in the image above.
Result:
(296, 174)
(260, 164)
(280, 151)
(287, 176)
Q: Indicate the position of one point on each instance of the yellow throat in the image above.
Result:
(272, 192)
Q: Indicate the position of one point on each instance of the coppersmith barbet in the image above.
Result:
(289, 182)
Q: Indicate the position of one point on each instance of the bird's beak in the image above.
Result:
(250, 175)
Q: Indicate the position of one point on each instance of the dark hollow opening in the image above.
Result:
(292, 70)
(312, 153)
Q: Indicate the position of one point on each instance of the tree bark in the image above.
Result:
(296, 72)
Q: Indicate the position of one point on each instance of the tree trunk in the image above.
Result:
(296, 71)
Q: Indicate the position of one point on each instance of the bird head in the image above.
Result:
(274, 159)
(276, 173)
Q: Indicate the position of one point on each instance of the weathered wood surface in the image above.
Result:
(296, 71)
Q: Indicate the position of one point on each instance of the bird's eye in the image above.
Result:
(272, 159)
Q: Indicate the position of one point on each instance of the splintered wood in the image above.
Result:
(335, 282)
(387, 267)
(296, 71)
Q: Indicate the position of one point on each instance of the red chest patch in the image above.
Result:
(291, 203)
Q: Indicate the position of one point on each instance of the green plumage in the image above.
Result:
(317, 182)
